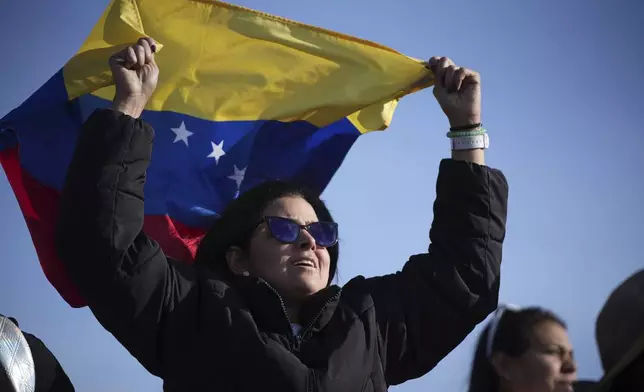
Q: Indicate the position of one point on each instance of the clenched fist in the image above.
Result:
(135, 75)
(458, 91)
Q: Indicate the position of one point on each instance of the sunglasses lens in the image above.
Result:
(325, 233)
(284, 230)
(288, 231)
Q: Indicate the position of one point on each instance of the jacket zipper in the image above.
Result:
(284, 311)
(302, 334)
(297, 341)
(312, 385)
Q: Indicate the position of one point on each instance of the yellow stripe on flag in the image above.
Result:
(227, 63)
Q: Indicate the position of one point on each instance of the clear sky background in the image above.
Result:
(562, 99)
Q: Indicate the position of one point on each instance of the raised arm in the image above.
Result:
(124, 276)
(424, 311)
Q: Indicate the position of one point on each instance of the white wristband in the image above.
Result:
(470, 142)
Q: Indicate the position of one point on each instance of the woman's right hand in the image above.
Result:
(135, 75)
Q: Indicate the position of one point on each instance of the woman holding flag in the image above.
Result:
(258, 311)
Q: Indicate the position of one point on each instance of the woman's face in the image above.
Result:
(548, 366)
(295, 270)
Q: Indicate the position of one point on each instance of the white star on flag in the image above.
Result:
(238, 176)
(181, 133)
(217, 151)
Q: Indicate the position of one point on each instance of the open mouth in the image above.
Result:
(304, 263)
(567, 386)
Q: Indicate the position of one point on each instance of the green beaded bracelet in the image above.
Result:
(473, 132)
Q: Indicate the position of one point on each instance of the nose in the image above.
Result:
(306, 240)
(568, 365)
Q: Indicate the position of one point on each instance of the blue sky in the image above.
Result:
(562, 100)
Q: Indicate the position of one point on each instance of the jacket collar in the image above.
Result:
(269, 312)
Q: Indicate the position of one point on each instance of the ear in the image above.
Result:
(502, 364)
(237, 261)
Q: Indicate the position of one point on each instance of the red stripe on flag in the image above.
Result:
(39, 205)
(176, 239)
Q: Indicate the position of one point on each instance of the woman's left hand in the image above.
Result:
(458, 91)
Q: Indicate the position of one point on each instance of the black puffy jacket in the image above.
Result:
(199, 333)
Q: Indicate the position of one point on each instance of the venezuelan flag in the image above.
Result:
(243, 97)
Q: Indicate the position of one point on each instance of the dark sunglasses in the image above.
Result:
(288, 231)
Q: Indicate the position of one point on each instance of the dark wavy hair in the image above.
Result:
(236, 224)
(512, 337)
